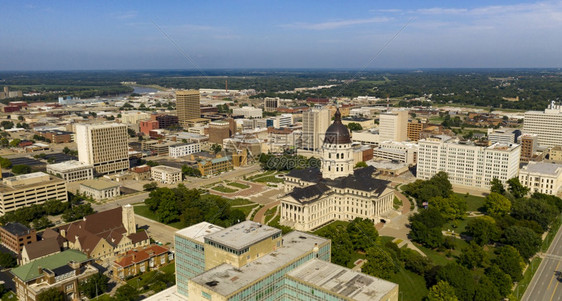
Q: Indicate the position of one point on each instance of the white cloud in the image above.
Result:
(126, 15)
(336, 24)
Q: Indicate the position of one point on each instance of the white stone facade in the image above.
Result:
(545, 124)
(71, 171)
(542, 177)
(183, 150)
(166, 174)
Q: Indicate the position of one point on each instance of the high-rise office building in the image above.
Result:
(466, 163)
(546, 125)
(393, 126)
(315, 122)
(104, 146)
(528, 146)
(414, 129)
(187, 105)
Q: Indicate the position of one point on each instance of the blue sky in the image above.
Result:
(86, 35)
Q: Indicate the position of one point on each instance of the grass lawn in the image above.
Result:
(104, 297)
(238, 185)
(411, 285)
(144, 279)
(397, 203)
(143, 210)
(263, 174)
(457, 225)
(473, 203)
(439, 257)
(168, 269)
(240, 202)
(270, 179)
(224, 189)
(354, 256)
(522, 285)
(245, 209)
(338, 224)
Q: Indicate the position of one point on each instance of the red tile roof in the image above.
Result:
(137, 256)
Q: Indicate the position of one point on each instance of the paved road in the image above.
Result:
(544, 285)
(158, 231)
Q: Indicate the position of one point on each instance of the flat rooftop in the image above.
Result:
(543, 168)
(342, 281)
(198, 232)
(164, 168)
(226, 279)
(99, 184)
(68, 166)
(243, 235)
(27, 180)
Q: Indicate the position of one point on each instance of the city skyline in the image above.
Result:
(404, 34)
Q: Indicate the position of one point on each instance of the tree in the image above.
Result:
(94, 286)
(54, 207)
(167, 211)
(452, 207)
(354, 126)
(482, 229)
(52, 294)
(496, 204)
(538, 210)
(510, 262)
(15, 142)
(341, 244)
(42, 223)
(215, 148)
(190, 171)
(7, 260)
(415, 262)
(362, 233)
(126, 293)
(7, 124)
(21, 169)
(459, 278)
(5, 163)
(361, 164)
(516, 188)
(150, 186)
(131, 132)
(486, 290)
(442, 291)
(66, 150)
(525, 240)
(473, 256)
(77, 212)
(497, 186)
(4, 142)
(500, 279)
(426, 228)
(379, 263)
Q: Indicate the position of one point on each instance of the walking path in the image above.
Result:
(260, 216)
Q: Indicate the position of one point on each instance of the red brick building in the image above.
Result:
(148, 125)
(15, 236)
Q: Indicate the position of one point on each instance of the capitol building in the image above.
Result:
(336, 191)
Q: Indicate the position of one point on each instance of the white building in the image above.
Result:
(503, 135)
(467, 164)
(165, 174)
(71, 171)
(546, 125)
(336, 192)
(367, 137)
(393, 125)
(542, 177)
(104, 146)
(281, 121)
(248, 112)
(315, 122)
(182, 150)
(403, 152)
(100, 189)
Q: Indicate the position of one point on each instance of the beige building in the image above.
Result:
(393, 126)
(26, 190)
(546, 125)
(314, 125)
(71, 171)
(555, 154)
(403, 152)
(188, 106)
(133, 117)
(104, 146)
(466, 163)
(166, 174)
(336, 191)
(100, 189)
(542, 177)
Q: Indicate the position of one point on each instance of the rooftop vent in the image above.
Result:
(212, 283)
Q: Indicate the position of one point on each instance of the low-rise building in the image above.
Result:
(29, 189)
(100, 189)
(71, 171)
(141, 172)
(135, 262)
(63, 271)
(38, 250)
(182, 150)
(166, 174)
(214, 166)
(398, 151)
(15, 236)
(542, 177)
(56, 136)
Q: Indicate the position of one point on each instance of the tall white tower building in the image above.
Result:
(314, 125)
(104, 146)
(546, 125)
(337, 154)
(393, 126)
